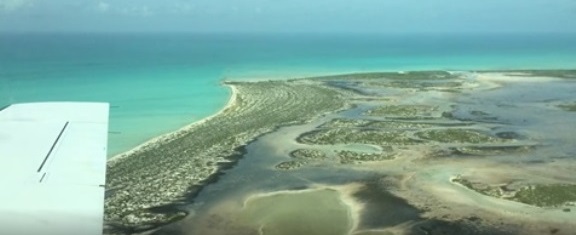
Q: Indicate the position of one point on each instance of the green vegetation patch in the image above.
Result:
(479, 113)
(547, 73)
(547, 195)
(412, 75)
(458, 136)
(353, 157)
(291, 165)
(421, 85)
(309, 154)
(362, 123)
(568, 107)
(345, 123)
(493, 150)
(479, 187)
(402, 110)
(355, 136)
(399, 125)
(539, 195)
(372, 99)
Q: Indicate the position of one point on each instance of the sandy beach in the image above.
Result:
(175, 134)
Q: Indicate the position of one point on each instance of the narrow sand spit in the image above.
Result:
(168, 136)
(147, 185)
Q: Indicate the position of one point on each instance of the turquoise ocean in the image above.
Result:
(158, 83)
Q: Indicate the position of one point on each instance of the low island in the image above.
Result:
(426, 152)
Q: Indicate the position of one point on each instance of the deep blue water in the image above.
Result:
(157, 83)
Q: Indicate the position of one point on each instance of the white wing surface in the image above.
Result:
(52, 168)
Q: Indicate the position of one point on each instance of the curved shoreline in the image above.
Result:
(166, 171)
(169, 135)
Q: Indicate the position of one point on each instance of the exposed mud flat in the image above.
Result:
(415, 153)
(280, 213)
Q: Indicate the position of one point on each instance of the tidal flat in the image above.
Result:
(428, 152)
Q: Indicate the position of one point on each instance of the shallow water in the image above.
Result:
(281, 214)
(525, 109)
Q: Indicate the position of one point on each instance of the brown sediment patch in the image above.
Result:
(309, 212)
(317, 211)
(382, 209)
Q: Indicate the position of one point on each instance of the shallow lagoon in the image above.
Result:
(281, 214)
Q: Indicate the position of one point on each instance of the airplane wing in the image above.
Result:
(52, 168)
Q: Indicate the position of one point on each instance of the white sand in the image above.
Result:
(172, 135)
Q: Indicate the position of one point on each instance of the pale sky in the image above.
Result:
(368, 16)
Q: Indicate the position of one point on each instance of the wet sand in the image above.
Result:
(281, 213)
